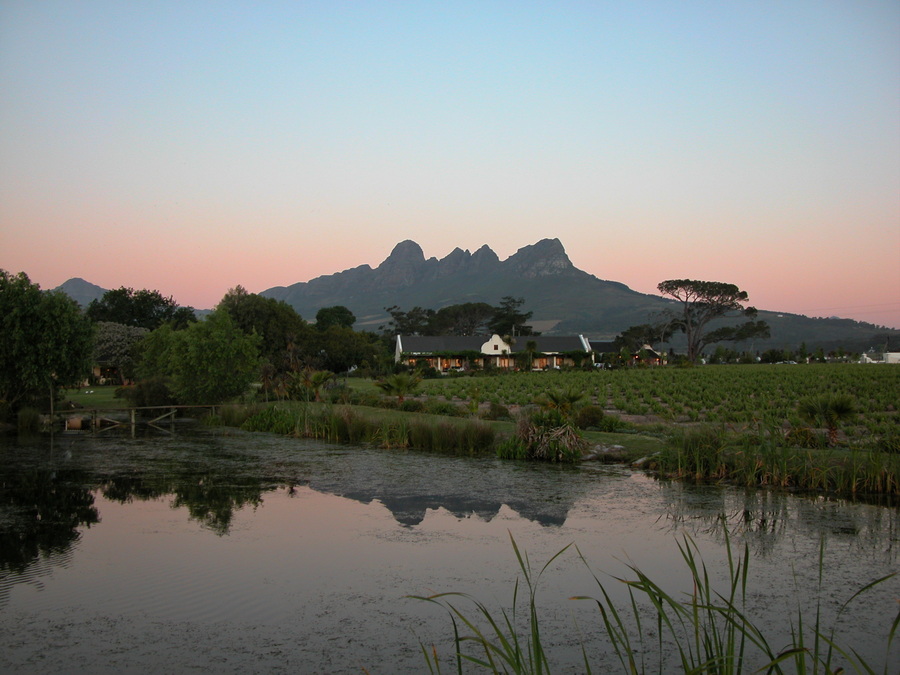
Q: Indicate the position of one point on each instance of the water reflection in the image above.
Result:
(763, 517)
(210, 498)
(314, 542)
(41, 511)
(46, 494)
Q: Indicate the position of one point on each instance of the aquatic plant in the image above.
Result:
(702, 631)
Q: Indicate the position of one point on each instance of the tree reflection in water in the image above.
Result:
(41, 511)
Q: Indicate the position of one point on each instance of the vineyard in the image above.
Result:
(739, 396)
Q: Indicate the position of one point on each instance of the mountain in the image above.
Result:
(564, 299)
(81, 291)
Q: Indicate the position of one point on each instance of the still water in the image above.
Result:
(218, 551)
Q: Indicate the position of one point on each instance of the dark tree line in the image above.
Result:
(469, 318)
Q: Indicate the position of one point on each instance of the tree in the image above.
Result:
(530, 351)
(468, 318)
(508, 320)
(279, 326)
(635, 337)
(143, 309)
(46, 341)
(114, 345)
(339, 349)
(704, 301)
(416, 321)
(210, 362)
(334, 316)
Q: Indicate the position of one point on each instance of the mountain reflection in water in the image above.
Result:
(312, 542)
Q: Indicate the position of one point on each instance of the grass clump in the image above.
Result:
(709, 453)
(274, 419)
(544, 435)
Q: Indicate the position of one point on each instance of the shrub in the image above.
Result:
(153, 391)
(589, 416)
(447, 408)
(546, 435)
(412, 405)
(496, 411)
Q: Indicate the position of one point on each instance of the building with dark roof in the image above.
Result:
(452, 352)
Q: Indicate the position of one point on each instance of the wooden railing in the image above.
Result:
(98, 420)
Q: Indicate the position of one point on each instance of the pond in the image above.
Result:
(222, 551)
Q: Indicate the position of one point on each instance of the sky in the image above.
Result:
(193, 146)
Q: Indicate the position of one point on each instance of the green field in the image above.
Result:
(738, 396)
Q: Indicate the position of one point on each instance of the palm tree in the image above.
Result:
(399, 384)
(564, 401)
(827, 410)
(314, 380)
(530, 350)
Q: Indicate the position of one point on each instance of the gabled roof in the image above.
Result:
(550, 344)
(429, 344)
(603, 347)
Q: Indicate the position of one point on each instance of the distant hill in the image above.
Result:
(81, 291)
(564, 299)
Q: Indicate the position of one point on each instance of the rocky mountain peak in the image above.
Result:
(545, 258)
(484, 257)
(402, 266)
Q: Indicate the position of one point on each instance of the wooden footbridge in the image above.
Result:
(98, 420)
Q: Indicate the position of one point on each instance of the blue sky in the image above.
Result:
(193, 146)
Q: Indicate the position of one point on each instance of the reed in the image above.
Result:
(342, 424)
(762, 459)
(703, 631)
(499, 646)
(28, 420)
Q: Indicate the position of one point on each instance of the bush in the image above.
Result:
(590, 416)
(233, 415)
(412, 405)
(153, 391)
(544, 435)
(444, 408)
(496, 411)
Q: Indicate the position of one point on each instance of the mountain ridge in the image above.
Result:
(563, 298)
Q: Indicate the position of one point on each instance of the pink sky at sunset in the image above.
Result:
(193, 147)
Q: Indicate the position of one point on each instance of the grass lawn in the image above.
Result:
(95, 397)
